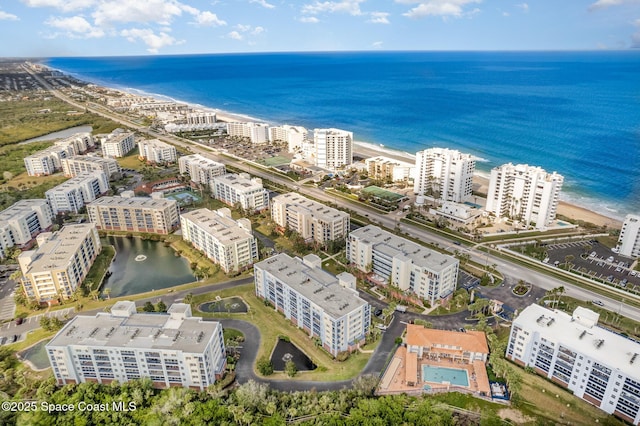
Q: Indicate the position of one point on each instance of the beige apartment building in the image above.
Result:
(136, 214)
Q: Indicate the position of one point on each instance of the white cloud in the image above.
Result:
(352, 7)
(208, 19)
(63, 5)
(140, 11)
(379, 18)
(4, 16)
(444, 8)
(262, 3)
(309, 20)
(75, 27)
(257, 30)
(154, 41)
(377, 45)
(243, 28)
(235, 35)
(524, 7)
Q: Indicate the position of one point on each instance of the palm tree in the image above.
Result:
(188, 299)
(107, 292)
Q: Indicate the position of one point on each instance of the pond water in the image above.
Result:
(285, 351)
(143, 265)
(230, 304)
(37, 355)
(59, 135)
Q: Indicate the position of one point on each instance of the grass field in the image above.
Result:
(275, 161)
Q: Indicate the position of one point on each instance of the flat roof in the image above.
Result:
(222, 228)
(577, 334)
(473, 341)
(391, 161)
(239, 182)
(91, 159)
(20, 209)
(76, 181)
(58, 250)
(137, 331)
(156, 143)
(411, 368)
(398, 247)
(117, 137)
(302, 204)
(142, 202)
(315, 284)
(201, 160)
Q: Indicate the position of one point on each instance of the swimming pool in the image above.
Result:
(455, 376)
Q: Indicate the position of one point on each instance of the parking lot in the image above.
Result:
(12, 332)
(597, 261)
(7, 288)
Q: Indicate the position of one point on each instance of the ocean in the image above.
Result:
(577, 113)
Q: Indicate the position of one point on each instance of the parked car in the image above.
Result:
(597, 302)
(19, 321)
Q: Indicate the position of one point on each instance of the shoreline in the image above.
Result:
(366, 150)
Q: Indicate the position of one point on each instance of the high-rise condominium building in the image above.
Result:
(136, 214)
(524, 193)
(241, 189)
(325, 306)
(225, 241)
(294, 136)
(629, 240)
(314, 221)
(201, 117)
(73, 194)
(411, 267)
(258, 133)
(73, 166)
(20, 223)
(172, 349)
(60, 263)
(200, 169)
(118, 144)
(333, 148)
(595, 364)
(157, 151)
(445, 173)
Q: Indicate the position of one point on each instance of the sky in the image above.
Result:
(47, 28)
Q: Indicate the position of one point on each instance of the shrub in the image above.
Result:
(343, 356)
(265, 367)
(290, 368)
(284, 338)
(398, 341)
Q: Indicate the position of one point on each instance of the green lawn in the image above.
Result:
(131, 161)
(273, 324)
(99, 267)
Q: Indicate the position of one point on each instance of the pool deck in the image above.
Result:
(395, 377)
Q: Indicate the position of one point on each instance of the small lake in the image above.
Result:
(59, 135)
(232, 305)
(37, 355)
(143, 265)
(287, 351)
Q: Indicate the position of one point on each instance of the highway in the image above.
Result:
(510, 270)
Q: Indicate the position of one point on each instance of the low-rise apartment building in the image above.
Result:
(20, 223)
(172, 349)
(60, 263)
(389, 169)
(325, 306)
(314, 221)
(258, 133)
(48, 161)
(200, 169)
(118, 143)
(158, 152)
(135, 214)
(294, 136)
(225, 241)
(595, 364)
(391, 259)
(77, 164)
(241, 190)
(73, 194)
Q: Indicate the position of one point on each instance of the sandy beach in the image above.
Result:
(481, 185)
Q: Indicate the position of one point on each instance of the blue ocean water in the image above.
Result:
(577, 113)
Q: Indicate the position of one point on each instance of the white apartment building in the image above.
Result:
(60, 263)
(225, 241)
(294, 136)
(233, 189)
(390, 259)
(156, 151)
(135, 214)
(172, 349)
(48, 161)
(524, 193)
(629, 240)
(444, 171)
(258, 133)
(201, 117)
(385, 168)
(73, 194)
(314, 221)
(200, 169)
(73, 166)
(81, 142)
(333, 148)
(321, 304)
(118, 143)
(20, 223)
(595, 364)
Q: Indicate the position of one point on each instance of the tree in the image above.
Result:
(290, 368)
(148, 307)
(264, 365)
(161, 307)
(188, 299)
(45, 323)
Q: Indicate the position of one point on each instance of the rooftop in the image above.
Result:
(142, 202)
(123, 328)
(304, 205)
(580, 333)
(473, 341)
(156, 143)
(315, 284)
(91, 159)
(77, 180)
(201, 161)
(398, 247)
(220, 225)
(239, 181)
(20, 209)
